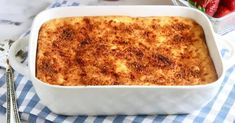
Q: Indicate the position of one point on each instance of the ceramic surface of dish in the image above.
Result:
(97, 100)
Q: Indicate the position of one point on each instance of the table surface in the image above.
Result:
(43, 3)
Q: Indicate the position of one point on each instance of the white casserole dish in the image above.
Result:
(130, 100)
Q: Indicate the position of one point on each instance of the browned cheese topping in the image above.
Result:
(122, 50)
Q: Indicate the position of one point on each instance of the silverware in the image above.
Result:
(11, 96)
(12, 114)
(9, 106)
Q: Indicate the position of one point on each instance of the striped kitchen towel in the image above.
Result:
(220, 109)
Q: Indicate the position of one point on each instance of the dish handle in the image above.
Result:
(227, 51)
(18, 45)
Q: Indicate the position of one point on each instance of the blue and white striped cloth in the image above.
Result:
(220, 109)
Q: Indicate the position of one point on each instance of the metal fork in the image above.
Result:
(11, 97)
(12, 110)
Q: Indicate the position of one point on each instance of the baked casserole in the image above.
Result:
(123, 50)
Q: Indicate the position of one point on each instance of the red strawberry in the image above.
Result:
(230, 4)
(212, 6)
(222, 11)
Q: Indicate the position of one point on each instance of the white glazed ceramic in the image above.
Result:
(131, 100)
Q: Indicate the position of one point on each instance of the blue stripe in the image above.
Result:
(2, 80)
(139, 118)
(44, 112)
(80, 119)
(57, 4)
(3, 99)
(32, 118)
(119, 119)
(226, 106)
(64, 2)
(3, 96)
(75, 4)
(179, 118)
(204, 112)
(159, 118)
(47, 121)
(24, 92)
(100, 119)
(59, 119)
(2, 110)
(31, 104)
(18, 79)
(223, 51)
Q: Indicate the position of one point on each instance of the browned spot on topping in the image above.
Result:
(116, 83)
(178, 38)
(83, 74)
(161, 61)
(196, 74)
(80, 61)
(137, 66)
(46, 53)
(180, 26)
(48, 67)
(63, 54)
(195, 71)
(132, 77)
(123, 28)
(85, 42)
(121, 42)
(154, 26)
(105, 70)
(67, 33)
(175, 20)
(182, 74)
(182, 39)
(137, 26)
(178, 75)
(187, 72)
(139, 54)
(156, 20)
(101, 48)
(147, 33)
(88, 23)
(115, 75)
(110, 22)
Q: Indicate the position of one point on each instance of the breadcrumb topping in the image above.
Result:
(122, 50)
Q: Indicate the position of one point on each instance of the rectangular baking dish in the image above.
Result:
(130, 100)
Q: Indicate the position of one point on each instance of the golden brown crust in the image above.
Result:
(121, 50)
